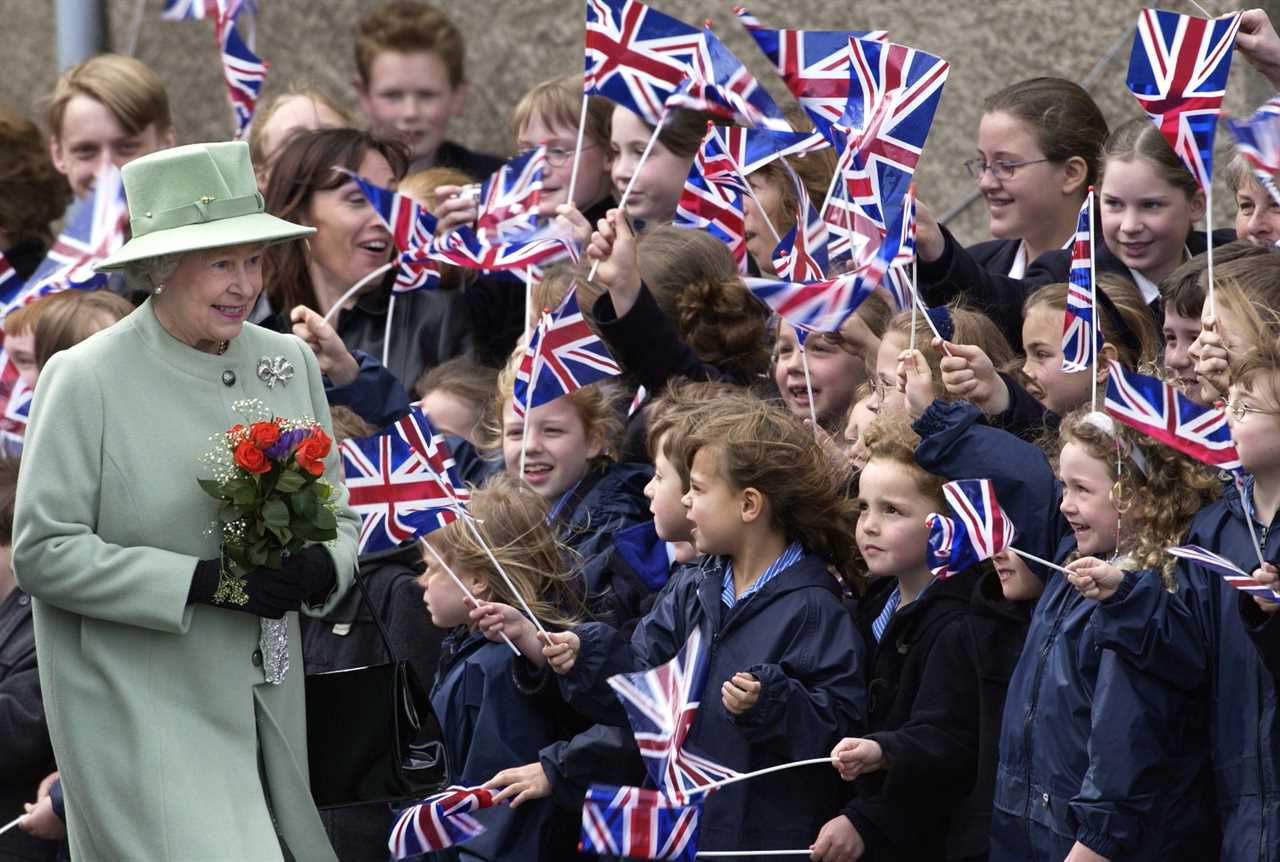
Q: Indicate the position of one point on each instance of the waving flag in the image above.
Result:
(819, 306)
(814, 64)
(509, 199)
(712, 198)
(719, 84)
(439, 821)
(461, 247)
(1258, 141)
(563, 356)
(189, 10)
(661, 704)
(412, 229)
(1081, 336)
(638, 824)
(802, 254)
(979, 531)
(1178, 73)
(752, 149)
(402, 482)
(242, 70)
(1159, 410)
(894, 92)
(1231, 573)
(897, 280)
(93, 229)
(636, 57)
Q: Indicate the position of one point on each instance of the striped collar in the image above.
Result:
(891, 606)
(789, 557)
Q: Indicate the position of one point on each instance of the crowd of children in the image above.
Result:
(764, 486)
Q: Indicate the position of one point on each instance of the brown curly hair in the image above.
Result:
(1158, 505)
(763, 446)
(33, 194)
(889, 437)
(512, 519)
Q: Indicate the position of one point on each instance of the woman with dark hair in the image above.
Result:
(351, 242)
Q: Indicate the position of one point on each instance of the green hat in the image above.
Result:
(195, 197)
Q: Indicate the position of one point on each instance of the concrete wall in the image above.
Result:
(515, 43)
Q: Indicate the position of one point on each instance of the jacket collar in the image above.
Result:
(809, 572)
(207, 366)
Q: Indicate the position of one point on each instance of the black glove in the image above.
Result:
(272, 594)
(313, 570)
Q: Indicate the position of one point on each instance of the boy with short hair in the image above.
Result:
(410, 82)
(109, 108)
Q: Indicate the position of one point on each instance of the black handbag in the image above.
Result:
(372, 735)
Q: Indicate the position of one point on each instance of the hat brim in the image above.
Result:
(251, 228)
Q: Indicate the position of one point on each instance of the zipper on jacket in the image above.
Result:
(1034, 706)
(1262, 693)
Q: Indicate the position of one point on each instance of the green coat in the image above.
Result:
(157, 709)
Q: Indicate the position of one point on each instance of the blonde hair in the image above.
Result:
(764, 447)
(258, 154)
(889, 438)
(971, 327)
(675, 413)
(421, 185)
(1158, 503)
(1249, 288)
(133, 93)
(559, 101)
(71, 316)
(512, 519)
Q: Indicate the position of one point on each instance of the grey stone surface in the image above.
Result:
(512, 45)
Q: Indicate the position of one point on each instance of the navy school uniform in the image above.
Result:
(489, 725)
(796, 637)
(980, 274)
(1195, 638)
(1264, 630)
(944, 757)
(892, 826)
(1118, 791)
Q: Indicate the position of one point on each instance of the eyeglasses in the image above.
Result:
(1000, 169)
(558, 156)
(1241, 412)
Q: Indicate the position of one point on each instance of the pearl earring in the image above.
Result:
(159, 289)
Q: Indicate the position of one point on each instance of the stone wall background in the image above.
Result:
(512, 44)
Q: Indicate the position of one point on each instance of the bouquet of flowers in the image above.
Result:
(266, 475)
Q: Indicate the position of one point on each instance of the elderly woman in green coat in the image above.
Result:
(175, 734)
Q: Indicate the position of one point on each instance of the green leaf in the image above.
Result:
(275, 513)
(212, 488)
(325, 520)
(282, 534)
(290, 481)
(305, 503)
(257, 555)
(244, 497)
(322, 490)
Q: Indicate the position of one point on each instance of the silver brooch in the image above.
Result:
(274, 370)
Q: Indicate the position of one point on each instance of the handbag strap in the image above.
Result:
(373, 612)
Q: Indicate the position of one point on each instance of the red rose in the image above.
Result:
(250, 457)
(311, 453)
(264, 434)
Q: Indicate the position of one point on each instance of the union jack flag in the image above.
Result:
(189, 10)
(636, 57)
(10, 284)
(1258, 141)
(752, 149)
(638, 824)
(661, 704)
(509, 199)
(1080, 333)
(814, 64)
(93, 230)
(979, 531)
(563, 355)
(242, 70)
(1178, 73)
(412, 228)
(894, 92)
(712, 198)
(1159, 410)
(720, 84)
(439, 821)
(402, 482)
(462, 247)
(802, 254)
(1231, 573)
(897, 280)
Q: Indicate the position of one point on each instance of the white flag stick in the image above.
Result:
(914, 305)
(622, 203)
(732, 854)
(577, 151)
(386, 334)
(355, 288)
(503, 572)
(1041, 560)
(1208, 222)
(12, 823)
(439, 559)
(1093, 300)
(808, 384)
(734, 779)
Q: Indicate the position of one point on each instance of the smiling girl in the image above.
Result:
(661, 178)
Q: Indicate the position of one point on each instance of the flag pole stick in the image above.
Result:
(1248, 519)
(1041, 560)
(503, 572)
(1093, 301)
(577, 151)
(439, 559)
(733, 854)
(355, 288)
(733, 779)
(386, 335)
(808, 385)
(1208, 217)
(528, 296)
(751, 193)
(1203, 11)
(914, 305)
(622, 202)
(528, 396)
(933, 327)
(12, 823)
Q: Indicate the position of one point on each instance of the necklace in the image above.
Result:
(222, 348)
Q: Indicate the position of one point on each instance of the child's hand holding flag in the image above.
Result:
(1094, 578)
